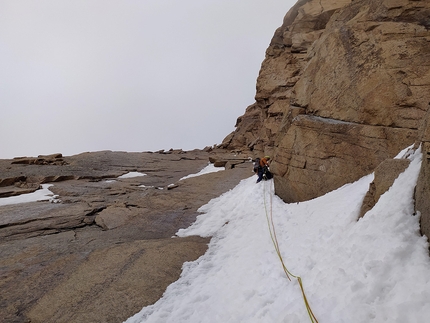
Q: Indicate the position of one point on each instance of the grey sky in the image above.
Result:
(128, 75)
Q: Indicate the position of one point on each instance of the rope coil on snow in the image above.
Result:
(272, 232)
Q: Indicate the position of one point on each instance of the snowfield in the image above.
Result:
(376, 269)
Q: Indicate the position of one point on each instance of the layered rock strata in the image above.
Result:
(343, 87)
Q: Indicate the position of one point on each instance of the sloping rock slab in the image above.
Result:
(38, 218)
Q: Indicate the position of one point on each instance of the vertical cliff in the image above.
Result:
(344, 86)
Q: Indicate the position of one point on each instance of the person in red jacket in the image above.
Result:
(264, 169)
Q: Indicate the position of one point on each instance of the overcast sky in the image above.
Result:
(129, 75)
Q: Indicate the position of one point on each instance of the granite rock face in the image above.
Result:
(344, 86)
(105, 249)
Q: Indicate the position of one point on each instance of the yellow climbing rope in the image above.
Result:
(272, 231)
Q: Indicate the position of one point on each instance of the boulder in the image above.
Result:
(172, 186)
(113, 217)
(220, 163)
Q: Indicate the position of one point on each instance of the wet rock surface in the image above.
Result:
(105, 249)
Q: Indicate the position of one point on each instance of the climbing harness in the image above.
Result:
(272, 231)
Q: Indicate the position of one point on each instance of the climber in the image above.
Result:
(263, 169)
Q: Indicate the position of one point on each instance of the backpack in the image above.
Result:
(266, 173)
(256, 164)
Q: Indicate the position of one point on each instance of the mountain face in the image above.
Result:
(344, 86)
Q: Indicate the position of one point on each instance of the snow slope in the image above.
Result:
(376, 269)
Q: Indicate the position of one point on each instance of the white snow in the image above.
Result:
(43, 194)
(405, 153)
(376, 269)
(132, 174)
(210, 168)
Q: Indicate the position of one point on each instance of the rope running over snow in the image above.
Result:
(272, 231)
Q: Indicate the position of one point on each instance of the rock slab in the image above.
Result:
(106, 250)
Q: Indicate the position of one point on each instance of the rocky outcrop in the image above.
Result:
(54, 159)
(343, 87)
(385, 175)
(228, 162)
